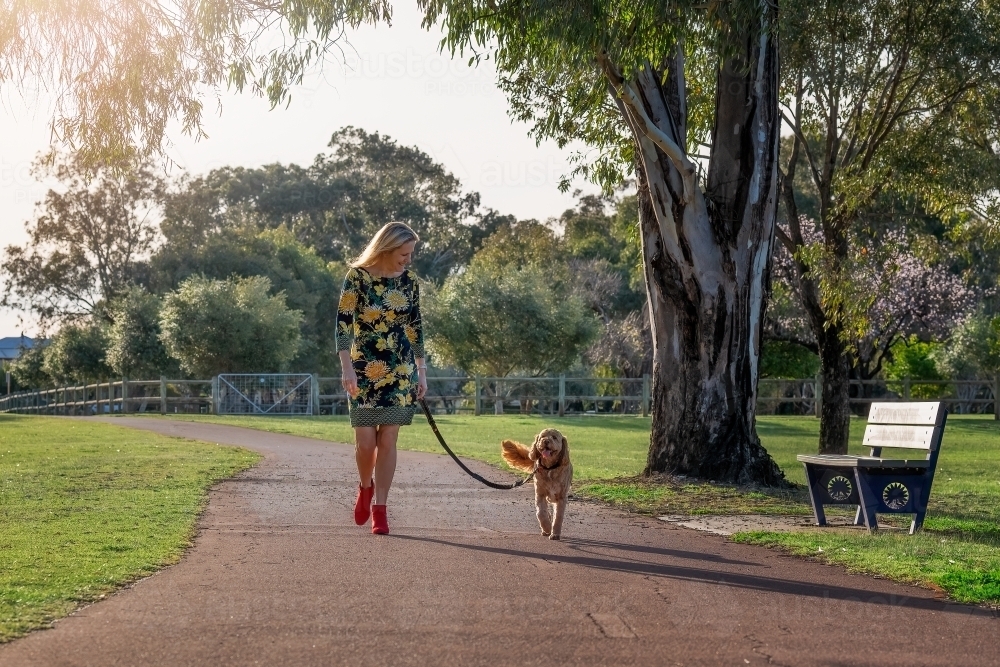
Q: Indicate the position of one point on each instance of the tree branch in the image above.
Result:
(805, 145)
(785, 240)
(675, 153)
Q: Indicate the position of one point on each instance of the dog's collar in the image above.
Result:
(541, 465)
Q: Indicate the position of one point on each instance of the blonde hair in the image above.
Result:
(393, 235)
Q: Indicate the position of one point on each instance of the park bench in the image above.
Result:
(890, 485)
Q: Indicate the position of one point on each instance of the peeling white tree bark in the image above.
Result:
(706, 257)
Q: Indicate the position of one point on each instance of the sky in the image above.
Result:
(391, 80)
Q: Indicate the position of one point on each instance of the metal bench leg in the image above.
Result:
(867, 505)
(817, 504)
(859, 518)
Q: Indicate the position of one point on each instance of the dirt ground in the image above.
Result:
(727, 525)
(279, 575)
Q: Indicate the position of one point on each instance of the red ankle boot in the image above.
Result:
(363, 504)
(380, 523)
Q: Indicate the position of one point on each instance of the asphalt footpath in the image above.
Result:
(279, 575)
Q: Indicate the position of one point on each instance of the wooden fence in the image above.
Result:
(480, 395)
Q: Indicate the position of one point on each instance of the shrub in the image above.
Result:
(229, 326)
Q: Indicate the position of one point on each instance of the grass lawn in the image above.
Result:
(958, 551)
(602, 447)
(86, 507)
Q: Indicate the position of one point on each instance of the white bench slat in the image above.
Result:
(909, 437)
(916, 413)
(848, 461)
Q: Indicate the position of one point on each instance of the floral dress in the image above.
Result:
(379, 322)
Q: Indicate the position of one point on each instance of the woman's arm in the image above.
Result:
(349, 378)
(345, 331)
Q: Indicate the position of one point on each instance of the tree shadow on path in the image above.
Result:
(819, 591)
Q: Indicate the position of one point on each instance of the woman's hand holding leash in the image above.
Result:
(421, 382)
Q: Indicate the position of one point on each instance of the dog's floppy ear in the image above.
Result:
(564, 452)
(533, 454)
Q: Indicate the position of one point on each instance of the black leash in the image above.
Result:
(492, 485)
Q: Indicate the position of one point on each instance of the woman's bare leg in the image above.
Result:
(385, 463)
(365, 447)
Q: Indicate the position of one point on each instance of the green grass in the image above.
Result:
(967, 569)
(959, 550)
(602, 447)
(86, 507)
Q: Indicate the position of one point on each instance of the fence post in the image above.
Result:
(215, 395)
(818, 394)
(314, 382)
(479, 397)
(996, 397)
(125, 403)
(645, 395)
(562, 395)
(163, 394)
(906, 387)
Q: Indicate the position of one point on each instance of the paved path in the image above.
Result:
(280, 575)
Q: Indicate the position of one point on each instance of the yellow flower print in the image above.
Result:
(380, 344)
(404, 369)
(390, 341)
(371, 315)
(356, 354)
(404, 384)
(390, 315)
(343, 326)
(385, 381)
(396, 300)
(381, 327)
(348, 302)
(411, 275)
(411, 334)
(376, 370)
(357, 329)
(379, 289)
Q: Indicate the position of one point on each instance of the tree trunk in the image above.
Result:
(835, 370)
(835, 363)
(706, 259)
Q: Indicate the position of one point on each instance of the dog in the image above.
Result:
(548, 458)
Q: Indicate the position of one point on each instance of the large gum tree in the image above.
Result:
(685, 94)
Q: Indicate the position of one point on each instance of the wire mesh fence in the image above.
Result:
(265, 394)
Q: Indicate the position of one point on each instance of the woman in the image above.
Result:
(381, 347)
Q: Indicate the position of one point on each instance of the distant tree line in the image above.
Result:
(241, 269)
(237, 270)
